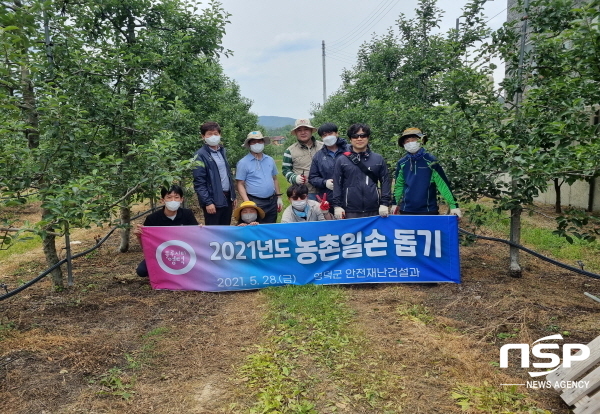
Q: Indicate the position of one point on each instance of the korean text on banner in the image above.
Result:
(368, 250)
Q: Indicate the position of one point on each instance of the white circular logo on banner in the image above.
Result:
(179, 260)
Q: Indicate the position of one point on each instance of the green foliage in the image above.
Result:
(6, 329)
(490, 399)
(115, 383)
(106, 108)
(505, 145)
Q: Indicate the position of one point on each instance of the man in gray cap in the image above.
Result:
(297, 158)
(256, 177)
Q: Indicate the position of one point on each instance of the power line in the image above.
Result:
(496, 16)
(379, 14)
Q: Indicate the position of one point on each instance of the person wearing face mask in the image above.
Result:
(362, 185)
(213, 181)
(170, 215)
(248, 214)
(301, 209)
(297, 158)
(321, 169)
(419, 177)
(256, 178)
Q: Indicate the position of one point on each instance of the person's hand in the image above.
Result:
(456, 212)
(211, 209)
(138, 230)
(339, 213)
(383, 211)
(242, 225)
(235, 203)
(394, 210)
(300, 179)
(279, 204)
(254, 223)
(324, 203)
(329, 184)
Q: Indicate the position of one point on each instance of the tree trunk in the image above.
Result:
(557, 204)
(125, 219)
(515, 237)
(49, 246)
(29, 109)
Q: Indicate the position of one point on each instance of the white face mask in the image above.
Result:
(249, 217)
(330, 140)
(172, 205)
(412, 146)
(299, 205)
(256, 148)
(213, 140)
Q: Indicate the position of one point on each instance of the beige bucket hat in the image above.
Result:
(302, 122)
(255, 135)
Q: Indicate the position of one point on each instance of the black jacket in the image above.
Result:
(354, 191)
(207, 181)
(322, 165)
(184, 217)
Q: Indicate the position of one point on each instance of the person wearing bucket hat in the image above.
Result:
(256, 177)
(419, 176)
(297, 158)
(213, 181)
(248, 213)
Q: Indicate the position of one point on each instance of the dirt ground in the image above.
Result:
(75, 351)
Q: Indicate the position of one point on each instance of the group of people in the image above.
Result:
(331, 179)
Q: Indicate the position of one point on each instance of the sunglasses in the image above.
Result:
(302, 197)
(359, 136)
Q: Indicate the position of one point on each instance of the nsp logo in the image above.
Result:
(537, 350)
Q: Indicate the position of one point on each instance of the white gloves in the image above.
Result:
(456, 212)
(300, 179)
(339, 213)
(394, 209)
(383, 211)
(329, 184)
(279, 204)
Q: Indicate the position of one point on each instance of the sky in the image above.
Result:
(277, 45)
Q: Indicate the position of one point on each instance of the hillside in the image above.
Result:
(275, 121)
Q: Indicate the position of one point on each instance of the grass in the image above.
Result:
(21, 246)
(490, 399)
(541, 239)
(283, 186)
(312, 360)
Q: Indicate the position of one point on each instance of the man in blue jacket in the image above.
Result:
(418, 178)
(321, 169)
(357, 174)
(213, 182)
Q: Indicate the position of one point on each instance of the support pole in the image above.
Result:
(324, 81)
(69, 261)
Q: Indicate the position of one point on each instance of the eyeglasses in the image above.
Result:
(302, 197)
(359, 136)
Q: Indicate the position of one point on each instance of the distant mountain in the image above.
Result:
(275, 121)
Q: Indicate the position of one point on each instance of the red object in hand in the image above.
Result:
(324, 203)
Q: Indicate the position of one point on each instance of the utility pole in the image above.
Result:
(324, 81)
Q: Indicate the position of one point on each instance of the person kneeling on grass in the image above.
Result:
(301, 209)
(248, 213)
(169, 215)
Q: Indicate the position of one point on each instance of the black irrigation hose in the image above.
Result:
(75, 256)
(91, 249)
(531, 252)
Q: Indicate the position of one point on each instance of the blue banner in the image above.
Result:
(395, 249)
